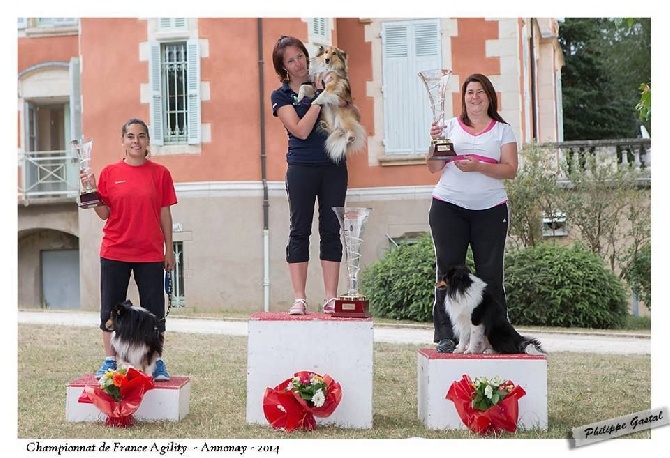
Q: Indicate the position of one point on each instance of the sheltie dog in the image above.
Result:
(480, 322)
(342, 123)
(136, 338)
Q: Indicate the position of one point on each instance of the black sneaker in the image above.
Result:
(446, 346)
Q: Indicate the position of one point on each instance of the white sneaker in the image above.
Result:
(299, 307)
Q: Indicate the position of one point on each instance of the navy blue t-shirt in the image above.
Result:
(311, 150)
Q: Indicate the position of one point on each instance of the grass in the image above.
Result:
(582, 388)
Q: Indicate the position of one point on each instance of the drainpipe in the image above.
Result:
(533, 73)
(266, 201)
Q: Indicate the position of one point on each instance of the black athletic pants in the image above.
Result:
(454, 229)
(304, 185)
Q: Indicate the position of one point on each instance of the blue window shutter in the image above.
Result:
(193, 87)
(407, 48)
(156, 108)
(395, 56)
(427, 55)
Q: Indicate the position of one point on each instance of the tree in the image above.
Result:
(532, 193)
(605, 61)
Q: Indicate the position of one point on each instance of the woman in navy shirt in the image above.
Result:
(311, 176)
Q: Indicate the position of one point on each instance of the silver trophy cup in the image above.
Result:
(88, 196)
(352, 222)
(436, 83)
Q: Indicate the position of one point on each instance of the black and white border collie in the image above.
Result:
(480, 323)
(135, 338)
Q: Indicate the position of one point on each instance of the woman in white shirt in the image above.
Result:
(469, 205)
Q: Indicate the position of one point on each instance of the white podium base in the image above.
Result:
(280, 344)
(166, 401)
(437, 371)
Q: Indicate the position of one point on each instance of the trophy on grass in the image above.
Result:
(88, 195)
(352, 221)
(436, 82)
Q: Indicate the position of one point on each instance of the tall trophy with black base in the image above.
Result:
(352, 222)
(88, 195)
(436, 83)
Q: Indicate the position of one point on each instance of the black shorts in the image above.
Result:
(114, 281)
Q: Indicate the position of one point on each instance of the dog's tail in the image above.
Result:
(341, 142)
(505, 339)
(357, 143)
(531, 346)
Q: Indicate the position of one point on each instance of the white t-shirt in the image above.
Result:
(473, 190)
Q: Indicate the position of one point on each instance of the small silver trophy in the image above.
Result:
(352, 222)
(436, 82)
(88, 196)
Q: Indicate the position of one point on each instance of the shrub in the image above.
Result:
(638, 275)
(401, 284)
(554, 285)
(635, 323)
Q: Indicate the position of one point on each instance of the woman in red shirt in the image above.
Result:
(136, 195)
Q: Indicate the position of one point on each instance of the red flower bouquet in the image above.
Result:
(486, 406)
(295, 402)
(118, 395)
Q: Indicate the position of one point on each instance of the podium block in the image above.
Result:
(166, 401)
(437, 371)
(280, 344)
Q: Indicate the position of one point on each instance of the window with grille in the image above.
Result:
(178, 275)
(175, 85)
(174, 73)
(554, 224)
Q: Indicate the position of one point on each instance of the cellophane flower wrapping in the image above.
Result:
(132, 390)
(286, 409)
(502, 416)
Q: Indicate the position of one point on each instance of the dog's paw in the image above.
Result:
(326, 98)
(306, 90)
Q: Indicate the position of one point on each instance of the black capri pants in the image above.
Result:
(114, 280)
(305, 184)
(454, 229)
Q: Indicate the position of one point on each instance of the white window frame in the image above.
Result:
(408, 47)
